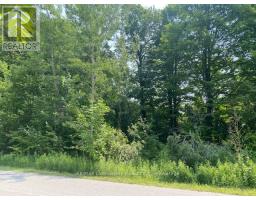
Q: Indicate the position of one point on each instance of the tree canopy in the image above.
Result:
(119, 81)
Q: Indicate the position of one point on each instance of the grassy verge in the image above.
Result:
(185, 186)
(167, 174)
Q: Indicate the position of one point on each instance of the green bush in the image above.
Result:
(193, 151)
(248, 173)
(205, 174)
(151, 149)
(240, 174)
(29, 140)
(113, 144)
(168, 171)
(227, 174)
(178, 172)
(184, 173)
(113, 168)
(250, 144)
(98, 140)
(140, 132)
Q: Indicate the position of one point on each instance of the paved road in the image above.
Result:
(18, 183)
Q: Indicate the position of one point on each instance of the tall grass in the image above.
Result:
(241, 174)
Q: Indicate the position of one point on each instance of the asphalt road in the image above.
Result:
(19, 183)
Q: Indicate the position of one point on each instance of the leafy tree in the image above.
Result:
(141, 30)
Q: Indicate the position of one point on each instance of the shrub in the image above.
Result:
(248, 173)
(193, 151)
(113, 144)
(28, 140)
(140, 132)
(123, 169)
(168, 171)
(184, 173)
(240, 174)
(205, 174)
(177, 172)
(98, 140)
(227, 174)
(250, 144)
(151, 149)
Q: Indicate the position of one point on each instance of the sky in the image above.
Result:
(159, 5)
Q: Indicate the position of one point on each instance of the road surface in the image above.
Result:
(19, 183)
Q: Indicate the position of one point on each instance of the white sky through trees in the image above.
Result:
(160, 5)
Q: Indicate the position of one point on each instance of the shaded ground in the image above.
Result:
(19, 183)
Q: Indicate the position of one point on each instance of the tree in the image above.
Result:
(4, 86)
(209, 27)
(141, 30)
(173, 68)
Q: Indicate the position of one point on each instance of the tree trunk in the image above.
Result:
(173, 98)
(207, 82)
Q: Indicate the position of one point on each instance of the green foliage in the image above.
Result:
(4, 76)
(141, 132)
(178, 172)
(205, 173)
(193, 151)
(115, 87)
(250, 144)
(114, 145)
(31, 141)
(4, 86)
(13, 160)
(227, 174)
(241, 174)
(249, 174)
(64, 163)
(98, 139)
(88, 124)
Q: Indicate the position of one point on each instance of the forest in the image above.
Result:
(170, 92)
